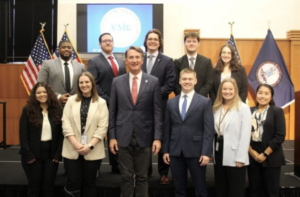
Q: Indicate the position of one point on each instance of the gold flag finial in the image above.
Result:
(231, 24)
(43, 25)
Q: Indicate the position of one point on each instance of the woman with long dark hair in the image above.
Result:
(41, 139)
(228, 66)
(267, 136)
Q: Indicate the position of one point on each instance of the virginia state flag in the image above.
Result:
(269, 67)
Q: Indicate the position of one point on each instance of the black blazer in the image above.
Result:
(273, 136)
(30, 138)
(103, 74)
(204, 72)
(164, 70)
(241, 79)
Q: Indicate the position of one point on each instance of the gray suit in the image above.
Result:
(51, 72)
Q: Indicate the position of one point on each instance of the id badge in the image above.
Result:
(83, 139)
(217, 146)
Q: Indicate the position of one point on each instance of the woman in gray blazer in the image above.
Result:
(266, 154)
(85, 122)
(228, 66)
(233, 130)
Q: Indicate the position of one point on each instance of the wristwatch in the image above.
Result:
(265, 154)
(91, 146)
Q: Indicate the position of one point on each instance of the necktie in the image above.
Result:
(113, 65)
(192, 65)
(150, 64)
(67, 77)
(183, 108)
(134, 90)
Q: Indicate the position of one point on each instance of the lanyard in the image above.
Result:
(221, 119)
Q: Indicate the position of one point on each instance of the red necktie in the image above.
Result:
(134, 90)
(113, 65)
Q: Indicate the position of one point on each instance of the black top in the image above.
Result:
(84, 109)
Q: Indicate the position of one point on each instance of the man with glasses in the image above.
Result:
(162, 67)
(200, 64)
(104, 67)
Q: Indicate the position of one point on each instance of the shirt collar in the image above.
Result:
(154, 54)
(107, 55)
(139, 76)
(63, 61)
(189, 95)
(195, 56)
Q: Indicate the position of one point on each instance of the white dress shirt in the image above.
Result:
(188, 99)
(70, 70)
(46, 128)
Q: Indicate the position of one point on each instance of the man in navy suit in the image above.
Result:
(135, 123)
(162, 67)
(188, 135)
(200, 64)
(104, 67)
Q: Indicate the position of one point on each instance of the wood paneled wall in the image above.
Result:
(13, 92)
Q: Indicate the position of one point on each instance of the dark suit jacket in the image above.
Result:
(51, 73)
(30, 138)
(103, 74)
(273, 136)
(192, 136)
(145, 117)
(204, 72)
(164, 70)
(241, 80)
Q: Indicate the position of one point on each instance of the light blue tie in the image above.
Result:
(150, 64)
(183, 109)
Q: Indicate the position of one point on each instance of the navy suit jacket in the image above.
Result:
(204, 70)
(192, 136)
(103, 74)
(145, 117)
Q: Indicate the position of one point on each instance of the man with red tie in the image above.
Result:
(104, 67)
(135, 123)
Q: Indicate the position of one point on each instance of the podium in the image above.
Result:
(297, 135)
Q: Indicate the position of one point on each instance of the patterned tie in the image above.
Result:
(150, 63)
(134, 90)
(183, 108)
(67, 77)
(113, 65)
(192, 65)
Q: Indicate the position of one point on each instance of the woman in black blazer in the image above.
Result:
(41, 139)
(266, 154)
(228, 66)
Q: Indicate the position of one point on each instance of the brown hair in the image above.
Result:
(191, 35)
(138, 49)
(95, 96)
(234, 62)
(34, 108)
(156, 31)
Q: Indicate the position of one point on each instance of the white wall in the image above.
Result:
(210, 16)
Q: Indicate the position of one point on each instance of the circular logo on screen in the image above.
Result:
(268, 72)
(123, 24)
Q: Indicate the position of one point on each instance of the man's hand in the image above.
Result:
(156, 146)
(64, 98)
(113, 146)
(203, 160)
(166, 158)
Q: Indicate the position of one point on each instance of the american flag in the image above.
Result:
(39, 53)
(232, 42)
(74, 52)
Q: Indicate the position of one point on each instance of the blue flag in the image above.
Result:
(269, 67)
(232, 42)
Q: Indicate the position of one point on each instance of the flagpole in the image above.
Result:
(231, 24)
(41, 31)
(66, 25)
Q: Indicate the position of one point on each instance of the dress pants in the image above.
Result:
(179, 166)
(163, 169)
(134, 160)
(41, 173)
(229, 181)
(81, 175)
(263, 181)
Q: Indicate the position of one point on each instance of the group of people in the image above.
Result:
(70, 111)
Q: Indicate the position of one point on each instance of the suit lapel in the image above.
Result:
(60, 72)
(185, 62)
(192, 105)
(127, 87)
(104, 60)
(143, 86)
(176, 107)
(144, 65)
(92, 110)
(156, 63)
(76, 114)
(197, 65)
(232, 113)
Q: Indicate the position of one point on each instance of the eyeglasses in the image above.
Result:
(107, 41)
(152, 39)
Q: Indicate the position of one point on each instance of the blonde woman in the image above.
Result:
(233, 131)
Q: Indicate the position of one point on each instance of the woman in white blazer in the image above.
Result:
(233, 131)
(85, 122)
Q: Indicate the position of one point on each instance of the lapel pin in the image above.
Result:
(158, 60)
(146, 81)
